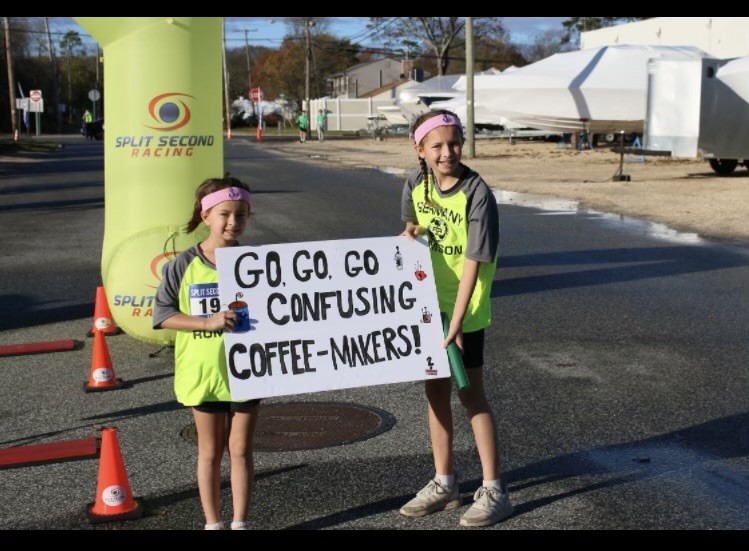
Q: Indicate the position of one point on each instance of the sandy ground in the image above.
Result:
(684, 194)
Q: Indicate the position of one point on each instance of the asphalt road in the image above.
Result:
(617, 367)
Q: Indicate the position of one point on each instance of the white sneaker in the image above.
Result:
(215, 526)
(240, 525)
(432, 498)
(489, 507)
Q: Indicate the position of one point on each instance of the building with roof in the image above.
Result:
(359, 80)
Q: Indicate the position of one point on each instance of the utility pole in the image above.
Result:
(470, 141)
(96, 85)
(247, 54)
(11, 80)
(226, 80)
(255, 110)
(307, 25)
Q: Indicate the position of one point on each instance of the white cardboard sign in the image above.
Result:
(327, 315)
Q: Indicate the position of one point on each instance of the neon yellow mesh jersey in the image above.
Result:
(190, 286)
(463, 223)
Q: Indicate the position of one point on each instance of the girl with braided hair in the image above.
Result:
(454, 207)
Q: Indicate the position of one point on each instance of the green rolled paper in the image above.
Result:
(456, 359)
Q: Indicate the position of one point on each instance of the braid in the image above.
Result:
(425, 177)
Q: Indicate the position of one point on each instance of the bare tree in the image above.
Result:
(546, 44)
(69, 43)
(437, 35)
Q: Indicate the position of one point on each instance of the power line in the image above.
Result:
(370, 33)
(356, 47)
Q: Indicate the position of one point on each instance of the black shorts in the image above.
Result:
(473, 349)
(227, 407)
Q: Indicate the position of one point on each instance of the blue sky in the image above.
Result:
(268, 31)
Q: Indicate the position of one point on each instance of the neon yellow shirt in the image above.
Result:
(190, 285)
(463, 223)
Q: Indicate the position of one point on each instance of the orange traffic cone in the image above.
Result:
(114, 500)
(102, 375)
(103, 320)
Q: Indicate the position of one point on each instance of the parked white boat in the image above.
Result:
(599, 90)
(416, 100)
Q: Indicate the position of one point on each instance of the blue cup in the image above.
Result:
(243, 316)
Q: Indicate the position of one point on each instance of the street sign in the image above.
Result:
(36, 106)
(94, 94)
(35, 95)
(256, 94)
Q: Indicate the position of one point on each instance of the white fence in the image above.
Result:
(347, 114)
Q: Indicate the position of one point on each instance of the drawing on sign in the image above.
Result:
(330, 314)
(239, 307)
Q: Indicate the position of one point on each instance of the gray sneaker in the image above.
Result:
(432, 498)
(489, 507)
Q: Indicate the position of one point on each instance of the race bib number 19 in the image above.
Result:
(204, 301)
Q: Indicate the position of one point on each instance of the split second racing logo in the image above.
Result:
(169, 112)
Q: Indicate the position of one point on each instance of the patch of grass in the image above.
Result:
(9, 147)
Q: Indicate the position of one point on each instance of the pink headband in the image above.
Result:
(226, 194)
(433, 122)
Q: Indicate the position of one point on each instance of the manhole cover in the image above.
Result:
(297, 426)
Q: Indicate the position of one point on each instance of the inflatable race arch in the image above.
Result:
(163, 137)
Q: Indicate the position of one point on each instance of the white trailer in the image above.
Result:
(693, 113)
